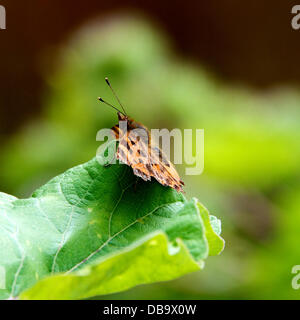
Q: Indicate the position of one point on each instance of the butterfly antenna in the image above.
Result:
(113, 91)
(100, 99)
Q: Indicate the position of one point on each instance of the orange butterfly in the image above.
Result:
(137, 150)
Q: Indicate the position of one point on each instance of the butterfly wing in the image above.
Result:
(133, 151)
(164, 171)
(147, 161)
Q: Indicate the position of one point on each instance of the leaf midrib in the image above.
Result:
(117, 234)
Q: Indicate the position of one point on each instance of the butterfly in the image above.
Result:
(137, 150)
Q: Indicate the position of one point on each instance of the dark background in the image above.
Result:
(245, 42)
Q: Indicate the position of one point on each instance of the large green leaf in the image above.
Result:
(93, 230)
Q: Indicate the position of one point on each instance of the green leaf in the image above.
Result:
(92, 231)
(136, 265)
(212, 231)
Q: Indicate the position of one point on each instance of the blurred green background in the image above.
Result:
(252, 151)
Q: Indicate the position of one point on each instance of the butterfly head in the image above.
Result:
(122, 116)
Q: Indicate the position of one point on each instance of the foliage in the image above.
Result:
(92, 231)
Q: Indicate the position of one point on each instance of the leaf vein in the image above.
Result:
(114, 236)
